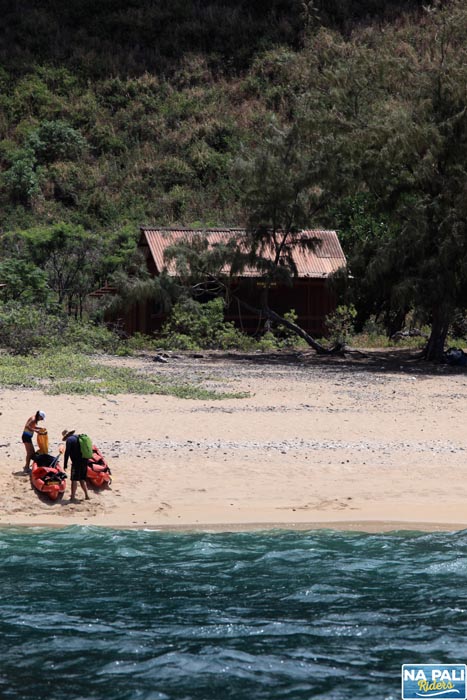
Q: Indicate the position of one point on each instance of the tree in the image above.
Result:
(23, 282)
(55, 140)
(281, 193)
(283, 190)
(369, 280)
(398, 112)
(23, 179)
(70, 257)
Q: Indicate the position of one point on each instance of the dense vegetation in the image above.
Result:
(103, 39)
(341, 113)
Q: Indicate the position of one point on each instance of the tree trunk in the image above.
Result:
(439, 329)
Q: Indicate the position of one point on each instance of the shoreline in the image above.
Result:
(355, 526)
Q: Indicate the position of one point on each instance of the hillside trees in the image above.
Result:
(396, 106)
(122, 37)
(424, 143)
(380, 116)
(123, 150)
(162, 95)
(365, 128)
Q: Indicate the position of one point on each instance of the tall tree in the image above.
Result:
(398, 112)
(281, 193)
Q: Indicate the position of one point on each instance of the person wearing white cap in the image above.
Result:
(29, 429)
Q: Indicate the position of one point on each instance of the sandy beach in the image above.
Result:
(369, 443)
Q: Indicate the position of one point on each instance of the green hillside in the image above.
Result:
(116, 113)
(348, 114)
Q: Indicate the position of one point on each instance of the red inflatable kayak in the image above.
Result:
(47, 476)
(98, 474)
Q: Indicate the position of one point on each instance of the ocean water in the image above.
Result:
(93, 613)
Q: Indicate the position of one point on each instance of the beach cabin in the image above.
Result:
(310, 295)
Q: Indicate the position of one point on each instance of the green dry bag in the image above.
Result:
(85, 445)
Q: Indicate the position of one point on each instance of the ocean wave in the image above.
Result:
(96, 613)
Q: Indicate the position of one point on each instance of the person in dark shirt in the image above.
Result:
(79, 466)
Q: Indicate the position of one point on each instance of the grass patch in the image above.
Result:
(76, 374)
(189, 391)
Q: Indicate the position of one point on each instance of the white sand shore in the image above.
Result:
(360, 445)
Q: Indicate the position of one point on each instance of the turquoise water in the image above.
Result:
(94, 613)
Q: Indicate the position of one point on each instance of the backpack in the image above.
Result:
(85, 445)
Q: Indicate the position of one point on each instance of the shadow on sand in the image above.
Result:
(395, 360)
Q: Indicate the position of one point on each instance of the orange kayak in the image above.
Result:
(98, 474)
(47, 477)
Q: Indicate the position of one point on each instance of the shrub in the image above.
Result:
(87, 337)
(192, 325)
(340, 324)
(55, 140)
(268, 342)
(23, 179)
(179, 341)
(230, 338)
(285, 336)
(24, 330)
(23, 281)
(138, 341)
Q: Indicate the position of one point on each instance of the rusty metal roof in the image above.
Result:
(321, 261)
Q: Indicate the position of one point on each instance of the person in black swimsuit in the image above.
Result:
(29, 429)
